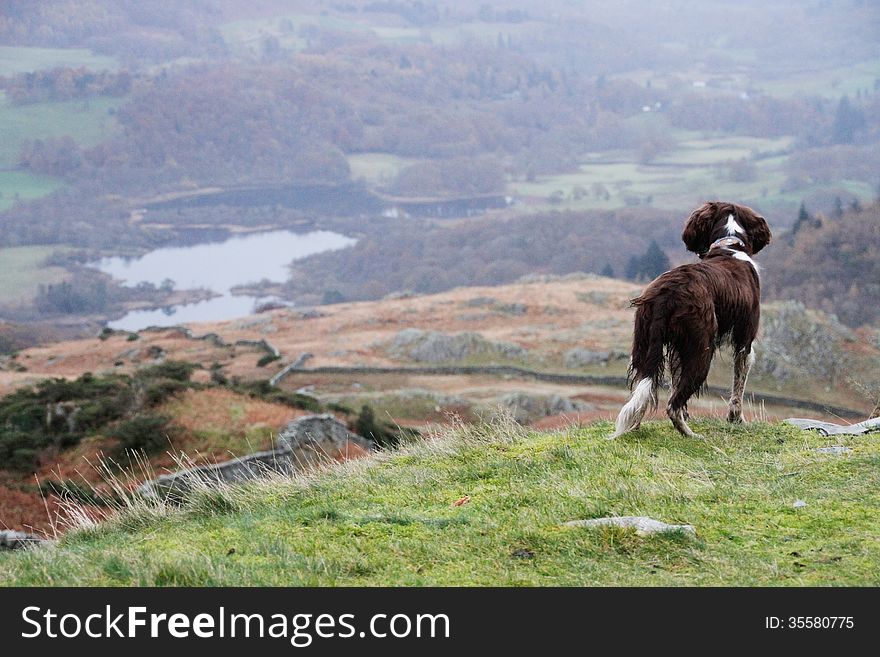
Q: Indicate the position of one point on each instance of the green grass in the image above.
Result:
(20, 59)
(830, 83)
(87, 121)
(23, 185)
(691, 172)
(391, 520)
(377, 169)
(22, 271)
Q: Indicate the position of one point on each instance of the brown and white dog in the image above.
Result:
(686, 313)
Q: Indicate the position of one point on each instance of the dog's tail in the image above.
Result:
(647, 366)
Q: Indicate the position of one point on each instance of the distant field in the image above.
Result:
(23, 185)
(87, 121)
(831, 83)
(377, 168)
(15, 59)
(694, 170)
(249, 34)
(21, 272)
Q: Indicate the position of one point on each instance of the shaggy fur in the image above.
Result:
(686, 313)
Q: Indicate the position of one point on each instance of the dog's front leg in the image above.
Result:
(742, 363)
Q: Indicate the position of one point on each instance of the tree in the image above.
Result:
(649, 265)
(607, 270)
(847, 121)
(802, 220)
(654, 262)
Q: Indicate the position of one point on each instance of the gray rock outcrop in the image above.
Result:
(795, 342)
(580, 357)
(13, 540)
(643, 525)
(526, 407)
(302, 444)
(435, 347)
(831, 429)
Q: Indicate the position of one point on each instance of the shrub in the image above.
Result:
(265, 360)
(147, 433)
(176, 370)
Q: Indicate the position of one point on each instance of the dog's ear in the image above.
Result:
(755, 226)
(698, 228)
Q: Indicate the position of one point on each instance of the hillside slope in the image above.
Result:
(484, 505)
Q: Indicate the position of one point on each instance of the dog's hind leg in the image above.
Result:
(742, 363)
(688, 376)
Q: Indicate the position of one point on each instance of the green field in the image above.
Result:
(831, 83)
(378, 169)
(21, 185)
(22, 272)
(20, 59)
(695, 169)
(249, 35)
(390, 520)
(87, 121)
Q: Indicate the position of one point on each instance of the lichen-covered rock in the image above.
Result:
(579, 357)
(303, 443)
(526, 407)
(643, 525)
(13, 540)
(435, 347)
(797, 342)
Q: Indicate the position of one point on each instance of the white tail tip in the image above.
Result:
(634, 410)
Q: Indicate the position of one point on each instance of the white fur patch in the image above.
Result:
(634, 410)
(745, 257)
(733, 227)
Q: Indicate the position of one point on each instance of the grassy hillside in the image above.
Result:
(393, 519)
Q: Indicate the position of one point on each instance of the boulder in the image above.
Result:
(435, 347)
(797, 342)
(643, 525)
(302, 444)
(526, 407)
(13, 540)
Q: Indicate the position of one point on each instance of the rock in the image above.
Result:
(798, 504)
(831, 429)
(403, 294)
(796, 342)
(834, 449)
(303, 443)
(436, 347)
(13, 540)
(311, 313)
(527, 407)
(579, 357)
(643, 525)
(512, 308)
(479, 302)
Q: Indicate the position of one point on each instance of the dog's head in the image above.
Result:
(715, 220)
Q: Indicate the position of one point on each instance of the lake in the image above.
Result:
(217, 267)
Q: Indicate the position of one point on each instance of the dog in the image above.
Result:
(689, 311)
